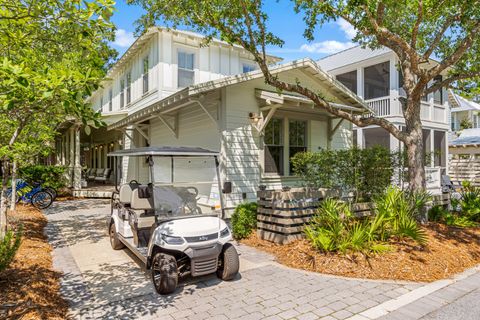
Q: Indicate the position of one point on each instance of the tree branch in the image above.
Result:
(447, 82)
(438, 36)
(416, 27)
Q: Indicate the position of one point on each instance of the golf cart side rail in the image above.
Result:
(165, 151)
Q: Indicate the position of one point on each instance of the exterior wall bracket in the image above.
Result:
(173, 128)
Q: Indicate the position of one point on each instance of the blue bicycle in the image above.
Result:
(36, 195)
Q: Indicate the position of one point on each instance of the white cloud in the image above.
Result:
(328, 47)
(347, 28)
(123, 38)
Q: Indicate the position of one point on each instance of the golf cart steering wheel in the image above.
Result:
(133, 182)
(193, 190)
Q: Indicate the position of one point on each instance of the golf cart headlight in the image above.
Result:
(224, 233)
(172, 240)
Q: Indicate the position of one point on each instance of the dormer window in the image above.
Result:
(129, 87)
(145, 74)
(122, 94)
(246, 67)
(186, 73)
(110, 100)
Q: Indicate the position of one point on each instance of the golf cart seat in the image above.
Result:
(125, 193)
(142, 216)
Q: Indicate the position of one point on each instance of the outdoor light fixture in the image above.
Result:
(254, 117)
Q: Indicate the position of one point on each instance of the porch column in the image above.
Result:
(432, 148)
(77, 169)
(71, 153)
(360, 138)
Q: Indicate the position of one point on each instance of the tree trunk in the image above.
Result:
(414, 149)
(13, 199)
(3, 199)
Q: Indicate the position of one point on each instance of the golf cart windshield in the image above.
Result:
(182, 181)
(185, 186)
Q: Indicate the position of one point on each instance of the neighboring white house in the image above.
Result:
(373, 76)
(170, 89)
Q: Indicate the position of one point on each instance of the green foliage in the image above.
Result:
(335, 229)
(51, 176)
(8, 247)
(366, 172)
(244, 220)
(456, 219)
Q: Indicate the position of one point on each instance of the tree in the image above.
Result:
(54, 55)
(430, 38)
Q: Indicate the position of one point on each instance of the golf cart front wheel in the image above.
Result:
(229, 263)
(164, 273)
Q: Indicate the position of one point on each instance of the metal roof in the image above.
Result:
(164, 151)
(466, 141)
(459, 103)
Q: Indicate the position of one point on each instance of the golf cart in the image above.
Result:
(173, 223)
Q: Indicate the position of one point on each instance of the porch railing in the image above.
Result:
(381, 106)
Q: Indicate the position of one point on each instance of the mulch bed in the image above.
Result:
(29, 289)
(449, 251)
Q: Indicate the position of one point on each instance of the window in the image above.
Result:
(377, 80)
(349, 80)
(122, 93)
(110, 100)
(129, 87)
(186, 74)
(401, 91)
(273, 149)
(145, 75)
(247, 67)
(297, 133)
(437, 95)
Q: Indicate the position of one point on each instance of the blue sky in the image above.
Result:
(283, 22)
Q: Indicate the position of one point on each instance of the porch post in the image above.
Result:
(360, 138)
(77, 169)
(71, 155)
(432, 148)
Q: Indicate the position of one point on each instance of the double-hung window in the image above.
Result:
(146, 67)
(122, 94)
(110, 100)
(129, 87)
(297, 133)
(186, 73)
(273, 150)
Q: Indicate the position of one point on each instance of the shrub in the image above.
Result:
(335, 229)
(366, 172)
(52, 176)
(8, 247)
(244, 220)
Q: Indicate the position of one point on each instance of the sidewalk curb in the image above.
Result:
(407, 298)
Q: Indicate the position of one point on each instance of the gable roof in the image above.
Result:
(344, 97)
(459, 103)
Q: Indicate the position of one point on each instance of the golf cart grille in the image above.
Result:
(202, 238)
(201, 267)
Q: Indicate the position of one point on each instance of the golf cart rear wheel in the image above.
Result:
(114, 241)
(229, 263)
(164, 273)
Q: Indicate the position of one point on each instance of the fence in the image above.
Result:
(465, 170)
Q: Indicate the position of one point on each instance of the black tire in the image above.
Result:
(42, 200)
(114, 241)
(229, 263)
(164, 273)
(52, 191)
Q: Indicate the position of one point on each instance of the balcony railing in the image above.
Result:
(390, 106)
(381, 106)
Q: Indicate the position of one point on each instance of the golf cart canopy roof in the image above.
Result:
(164, 152)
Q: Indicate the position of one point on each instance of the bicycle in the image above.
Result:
(36, 195)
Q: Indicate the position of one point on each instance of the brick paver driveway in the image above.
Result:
(101, 283)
